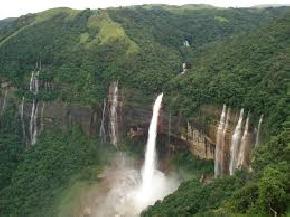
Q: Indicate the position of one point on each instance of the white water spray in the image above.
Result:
(243, 156)
(219, 143)
(225, 145)
(150, 154)
(113, 116)
(34, 88)
(22, 118)
(259, 131)
(132, 190)
(183, 68)
(235, 144)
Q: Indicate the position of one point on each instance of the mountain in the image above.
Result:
(253, 71)
(250, 70)
(60, 71)
(58, 36)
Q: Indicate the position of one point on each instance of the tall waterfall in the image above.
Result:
(130, 190)
(150, 155)
(22, 118)
(244, 151)
(219, 143)
(102, 132)
(225, 145)
(235, 144)
(34, 88)
(114, 116)
(259, 131)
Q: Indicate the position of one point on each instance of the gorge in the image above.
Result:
(80, 135)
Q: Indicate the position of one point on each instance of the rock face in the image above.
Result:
(131, 118)
(199, 143)
(63, 115)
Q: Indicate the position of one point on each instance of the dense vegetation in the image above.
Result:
(255, 194)
(238, 56)
(46, 170)
(250, 71)
(32, 180)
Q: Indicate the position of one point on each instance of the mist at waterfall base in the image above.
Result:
(132, 189)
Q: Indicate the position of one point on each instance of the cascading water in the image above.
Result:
(235, 144)
(244, 151)
(225, 145)
(219, 143)
(102, 132)
(113, 116)
(132, 190)
(258, 131)
(150, 154)
(22, 118)
(154, 184)
(183, 68)
(34, 88)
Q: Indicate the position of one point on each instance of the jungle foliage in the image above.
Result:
(238, 56)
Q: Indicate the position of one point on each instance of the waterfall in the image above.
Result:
(31, 81)
(186, 43)
(183, 68)
(243, 157)
(219, 143)
(4, 102)
(235, 144)
(131, 191)
(114, 116)
(258, 131)
(102, 132)
(34, 88)
(34, 128)
(31, 88)
(225, 145)
(22, 118)
(150, 155)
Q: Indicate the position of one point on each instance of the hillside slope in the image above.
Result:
(68, 42)
(238, 56)
(250, 71)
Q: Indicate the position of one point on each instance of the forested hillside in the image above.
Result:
(116, 43)
(237, 56)
(252, 71)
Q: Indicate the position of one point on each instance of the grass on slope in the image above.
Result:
(42, 17)
(110, 31)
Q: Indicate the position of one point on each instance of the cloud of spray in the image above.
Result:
(124, 183)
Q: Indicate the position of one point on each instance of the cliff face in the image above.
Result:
(123, 115)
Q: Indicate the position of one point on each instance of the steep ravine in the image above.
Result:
(132, 120)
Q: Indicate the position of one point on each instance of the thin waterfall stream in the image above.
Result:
(133, 188)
